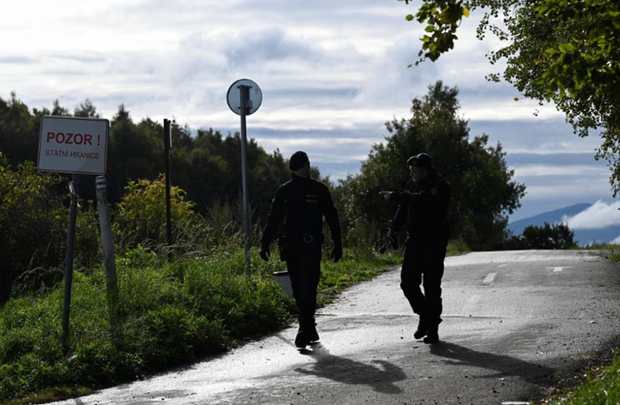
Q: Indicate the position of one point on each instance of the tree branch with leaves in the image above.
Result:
(562, 51)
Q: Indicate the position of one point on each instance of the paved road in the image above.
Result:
(512, 321)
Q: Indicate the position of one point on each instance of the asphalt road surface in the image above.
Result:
(513, 323)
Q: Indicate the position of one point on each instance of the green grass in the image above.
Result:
(601, 387)
(612, 252)
(169, 314)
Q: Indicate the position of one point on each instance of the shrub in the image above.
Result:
(100, 364)
(32, 223)
(173, 336)
(141, 214)
(557, 236)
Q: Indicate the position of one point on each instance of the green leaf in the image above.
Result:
(430, 28)
(551, 51)
(409, 17)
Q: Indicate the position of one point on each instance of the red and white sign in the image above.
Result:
(73, 145)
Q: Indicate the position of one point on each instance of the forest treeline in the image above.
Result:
(206, 174)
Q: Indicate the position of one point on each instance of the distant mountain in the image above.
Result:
(550, 217)
(582, 236)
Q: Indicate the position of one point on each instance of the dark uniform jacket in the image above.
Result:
(303, 202)
(424, 207)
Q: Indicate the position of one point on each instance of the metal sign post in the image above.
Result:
(74, 187)
(245, 100)
(107, 242)
(244, 97)
(167, 147)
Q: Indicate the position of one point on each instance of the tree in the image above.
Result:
(556, 236)
(561, 51)
(86, 110)
(18, 135)
(483, 192)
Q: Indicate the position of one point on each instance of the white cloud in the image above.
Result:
(599, 215)
(549, 170)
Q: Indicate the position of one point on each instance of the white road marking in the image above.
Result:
(489, 278)
(558, 269)
(515, 403)
(502, 265)
(469, 307)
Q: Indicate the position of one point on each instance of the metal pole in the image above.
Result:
(74, 187)
(244, 92)
(167, 146)
(107, 242)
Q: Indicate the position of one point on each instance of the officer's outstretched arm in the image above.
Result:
(439, 194)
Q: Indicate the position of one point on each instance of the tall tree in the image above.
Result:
(483, 192)
(561, 51)
(86, 109)
(18, 134)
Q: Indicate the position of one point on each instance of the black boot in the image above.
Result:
(422, 329)
(302, 339)
(307, 333)
(432, 335)
(313, 335)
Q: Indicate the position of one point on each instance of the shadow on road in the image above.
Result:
(381, 377)
(504, 365)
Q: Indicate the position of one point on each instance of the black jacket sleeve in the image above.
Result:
(276, 213)
(331, 215)
(438, 194)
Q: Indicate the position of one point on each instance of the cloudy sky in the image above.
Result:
(331, 73)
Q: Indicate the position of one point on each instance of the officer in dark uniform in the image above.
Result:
(424, 207)
(303, 202)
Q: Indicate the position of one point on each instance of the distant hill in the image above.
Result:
(582, 236)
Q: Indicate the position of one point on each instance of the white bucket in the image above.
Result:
(282, 278)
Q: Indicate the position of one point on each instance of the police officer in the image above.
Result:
(303, 202)
(424, 207)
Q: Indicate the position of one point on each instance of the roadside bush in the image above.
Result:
(30, 374)
(173, 336)
(556, 236)
(32, 223)
(100, 364)
(248, 306)
(38, 279)
(141, 219)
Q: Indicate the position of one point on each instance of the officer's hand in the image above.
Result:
(264, 253)
(386, 195)
(337, 252)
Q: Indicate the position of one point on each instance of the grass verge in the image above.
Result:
(170, 314)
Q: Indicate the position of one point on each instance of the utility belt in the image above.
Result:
(306, 238)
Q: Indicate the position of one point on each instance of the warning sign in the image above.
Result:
(73, 145)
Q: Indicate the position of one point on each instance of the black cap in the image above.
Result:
(298, 160)
(420, 160)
